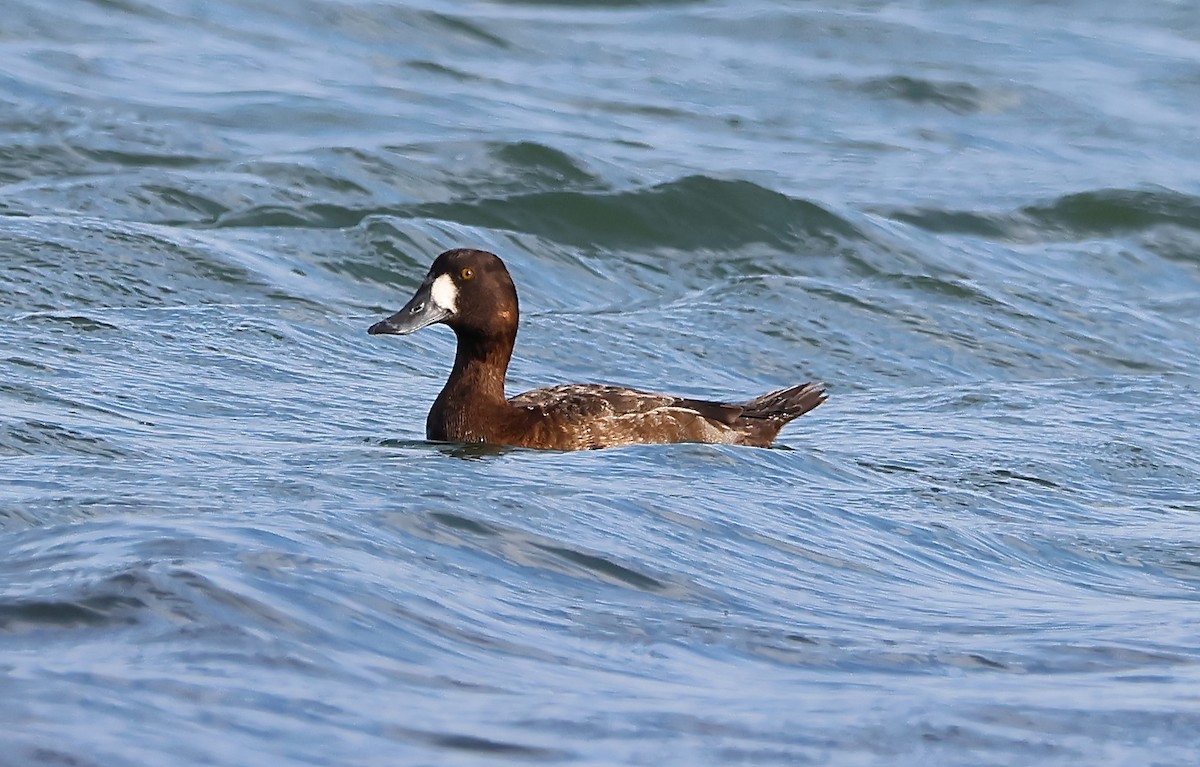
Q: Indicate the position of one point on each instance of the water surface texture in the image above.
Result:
(225, 541)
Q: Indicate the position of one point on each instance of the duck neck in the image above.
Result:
(480, 367)
(472, 403)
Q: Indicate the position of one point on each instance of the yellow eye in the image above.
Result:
(467, 273)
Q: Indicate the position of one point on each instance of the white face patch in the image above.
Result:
(444, 293)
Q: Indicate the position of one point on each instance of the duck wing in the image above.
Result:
(578, 402)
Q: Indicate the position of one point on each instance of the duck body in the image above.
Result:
(472, 292)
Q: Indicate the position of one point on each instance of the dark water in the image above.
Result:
(223, 540)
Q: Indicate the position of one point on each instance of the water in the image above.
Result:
(225, 540)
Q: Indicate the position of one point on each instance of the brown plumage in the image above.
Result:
(472, 292)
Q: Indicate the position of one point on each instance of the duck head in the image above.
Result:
(469, 290)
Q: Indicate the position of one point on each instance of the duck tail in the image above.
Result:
(784, 405)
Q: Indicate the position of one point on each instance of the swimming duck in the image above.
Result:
(472, 292)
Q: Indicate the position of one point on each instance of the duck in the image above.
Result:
(471, 292)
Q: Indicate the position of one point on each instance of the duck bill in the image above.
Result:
(419, 312)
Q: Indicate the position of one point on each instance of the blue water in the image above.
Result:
(225, 541)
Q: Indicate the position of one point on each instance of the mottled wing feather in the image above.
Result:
(578, 416)
(596, 400)
(579, 401)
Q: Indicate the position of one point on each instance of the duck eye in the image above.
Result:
(467, 273)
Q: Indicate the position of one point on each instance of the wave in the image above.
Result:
(1072, 217)
(692, 213)
(957, 97)
(35, 437)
